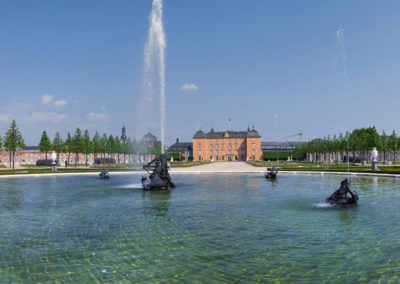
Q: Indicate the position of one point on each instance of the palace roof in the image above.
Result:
(227, 134)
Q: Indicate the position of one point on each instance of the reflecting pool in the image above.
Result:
(211, 227)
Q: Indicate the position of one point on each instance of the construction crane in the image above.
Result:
(300, 134)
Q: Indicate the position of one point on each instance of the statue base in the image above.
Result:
(374, 165)
(54, 168)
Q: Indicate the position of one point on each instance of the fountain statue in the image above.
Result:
(104, 174)
(53, 162)
(272, 173)
(159, 178)
(339, 197)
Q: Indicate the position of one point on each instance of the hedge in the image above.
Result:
(282, 155)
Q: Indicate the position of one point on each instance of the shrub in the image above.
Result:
(44, 162)
(104, 161)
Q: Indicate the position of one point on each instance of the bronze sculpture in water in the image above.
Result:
(159, 178)
(340, 196)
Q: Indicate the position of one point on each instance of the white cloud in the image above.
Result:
(5, 118)
(189, 87)
(97, 116)
(49, 116)
(60, 103)
(46, 99)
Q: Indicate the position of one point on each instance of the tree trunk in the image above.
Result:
(13, 160)
(394, 157)
(45, 154)
(10, 160)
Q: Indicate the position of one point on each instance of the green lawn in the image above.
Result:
(60, 170)
(183, 164)
(334, 167)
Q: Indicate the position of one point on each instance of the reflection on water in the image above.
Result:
(157, 201)
(210, 228)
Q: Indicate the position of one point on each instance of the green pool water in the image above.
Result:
(210, 228)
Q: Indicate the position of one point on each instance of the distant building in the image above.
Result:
(278, 150)
(185, 149)
(227, 145)
(149, 139)
(123, 138)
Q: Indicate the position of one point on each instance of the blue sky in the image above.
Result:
(275, 65)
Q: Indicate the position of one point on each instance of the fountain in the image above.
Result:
(154, 54)
(154, 58)
(339, 197)
(272, 173)
(159, 178)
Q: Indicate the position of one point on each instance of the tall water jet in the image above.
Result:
(154, 65)
(340, 40)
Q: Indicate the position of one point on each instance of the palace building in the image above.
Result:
(227, 145)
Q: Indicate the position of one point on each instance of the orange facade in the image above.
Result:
(227, 146)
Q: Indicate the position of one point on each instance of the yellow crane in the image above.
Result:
(300, 134)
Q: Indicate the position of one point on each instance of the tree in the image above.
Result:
(87, 145)
(393, 145)
(77, 144)
(13, 141)
(103, 144)
(1, 143)
(45, 144)
(373, 140)
(110, 147)
(96, 144)
(117, 146)
(385, 145)
(68, 147)
(58, 145)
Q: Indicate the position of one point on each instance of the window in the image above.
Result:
(242, 146)
(199, 152)
(236, 145)
(16, 159)
(222, 145)
(216, 140)
(235, 139)
(199, 146)
(236, 151)
(40, 156)
(29, 159)
(5, 159)
(223, 152)
(253, 139)
(242, 152)
(211, 152)
(217, 146)
(216, 152)
(229, 152)
(253, 145)
(230, 146)
(253, 152)
(223, 158)
(211, 146)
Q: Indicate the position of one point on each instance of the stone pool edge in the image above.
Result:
(207, 172)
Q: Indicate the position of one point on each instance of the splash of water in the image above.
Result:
(340, 37)
(154, 58)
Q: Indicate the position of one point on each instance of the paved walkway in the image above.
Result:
(221, 167)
